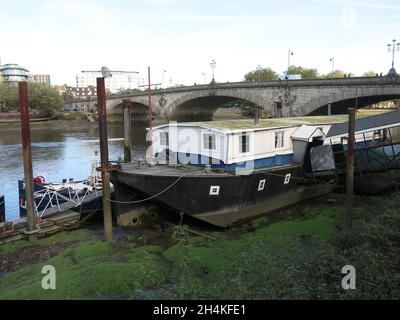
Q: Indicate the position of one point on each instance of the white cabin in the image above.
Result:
(233, 143)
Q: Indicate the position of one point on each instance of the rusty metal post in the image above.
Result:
(27, 156)
(350, 167)
(2, 212)
(150, 105)
(105, 166)
(150, 133)
(127, 129)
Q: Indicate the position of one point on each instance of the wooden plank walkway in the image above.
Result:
(49, 225)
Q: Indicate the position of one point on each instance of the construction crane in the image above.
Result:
(112, 71)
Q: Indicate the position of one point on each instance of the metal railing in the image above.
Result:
(55, 201)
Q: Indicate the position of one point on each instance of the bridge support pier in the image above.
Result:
(127, 129)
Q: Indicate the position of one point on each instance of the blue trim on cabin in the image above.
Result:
(202, 161)
(277, 160)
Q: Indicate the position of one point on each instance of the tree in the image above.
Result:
(44, 98)
(369, 74)
(304, 72)
(264, 74)
(8, 97)
(335, 74)
(41, 97)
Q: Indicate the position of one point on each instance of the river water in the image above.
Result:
(58, 154)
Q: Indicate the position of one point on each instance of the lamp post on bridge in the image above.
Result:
(163, 71)
(333, 63)
(204, 74)
(393, 47)
(213, 64)
(290, 53)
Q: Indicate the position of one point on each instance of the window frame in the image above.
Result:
(276, 139)
(211, 143)
(247, 144)
(165, 134)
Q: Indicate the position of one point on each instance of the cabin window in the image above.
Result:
(244, 141)
(279, 139)
(164, 139)
(209, 141)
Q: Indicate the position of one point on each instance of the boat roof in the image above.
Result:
(227, 126)
(240, 125)
(306, 132)
(366, 124)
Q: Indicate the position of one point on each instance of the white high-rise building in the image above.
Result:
(120, 80)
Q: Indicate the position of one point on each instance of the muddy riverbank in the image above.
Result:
(298, 254)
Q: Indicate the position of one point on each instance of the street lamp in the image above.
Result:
(333, 63)
(204, 74)
(213, 64)
(258, 74)
(105, 72)
(163, 71)
(290, 53)
(393, 47)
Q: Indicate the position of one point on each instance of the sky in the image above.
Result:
(182, 37)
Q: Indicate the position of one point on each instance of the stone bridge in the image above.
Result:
(288, 97)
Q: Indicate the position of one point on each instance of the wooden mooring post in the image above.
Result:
(105, 165)
(27, 155)
(350, 167)
(126, 103)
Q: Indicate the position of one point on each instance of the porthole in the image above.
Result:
(261, 185)
(214, 190)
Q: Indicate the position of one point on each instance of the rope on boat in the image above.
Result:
(177, 180)
(156, 195)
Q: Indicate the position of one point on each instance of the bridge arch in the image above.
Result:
(201, 105)
(139, 110)
(340, 102)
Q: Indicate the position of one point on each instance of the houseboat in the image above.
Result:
(223, 172)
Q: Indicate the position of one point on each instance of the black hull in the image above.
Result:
(375, 183)
(238, 197)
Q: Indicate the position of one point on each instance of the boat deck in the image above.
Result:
(178, 170)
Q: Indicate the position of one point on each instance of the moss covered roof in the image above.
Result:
(271, 123)
(246, 124)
